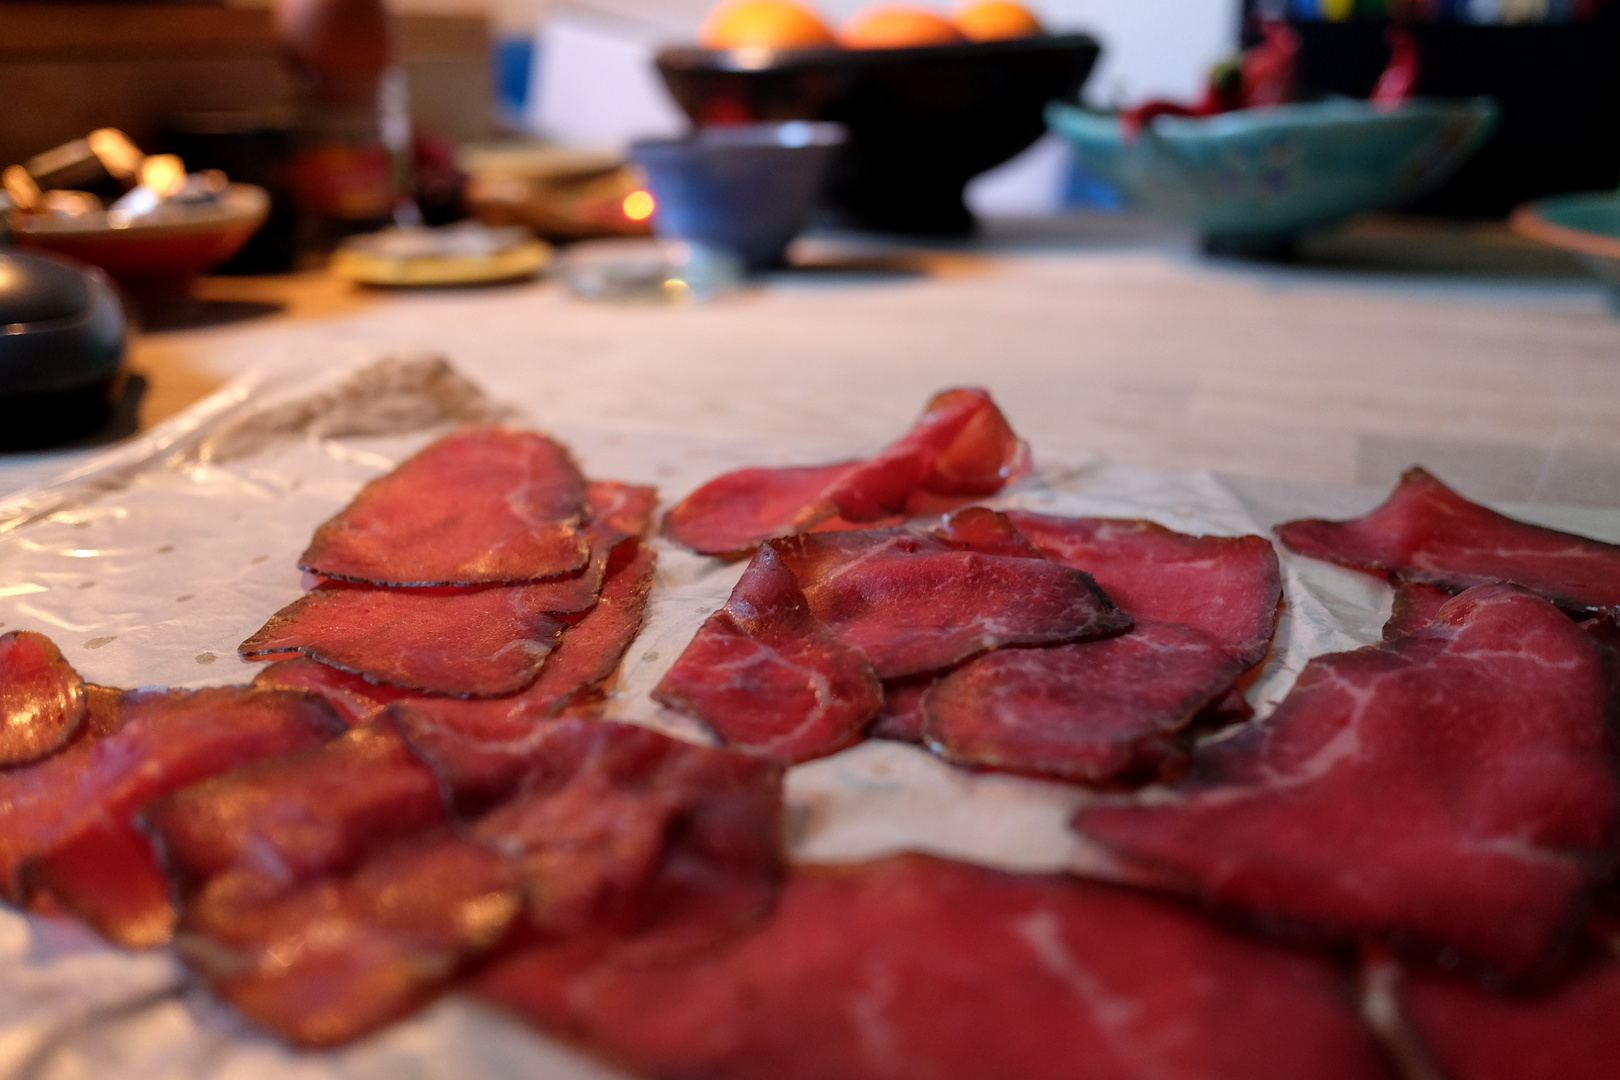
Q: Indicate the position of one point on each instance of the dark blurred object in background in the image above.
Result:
(1557, 82)
(250, 147)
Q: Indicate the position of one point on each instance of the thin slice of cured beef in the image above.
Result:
(482, 506)
(476, 643)
(1452, 789)
(1228, 587)
(1566, 1034)
(68, 823)
(338, 957)
(619, 512)
(765, 674)
(916, 601)
(914, 966)
(623, 833)
(355, 698)
(1427, 532)
(42, 699)
(1094, 712)
(961, 448)
(1112, 710)
(1417, 604)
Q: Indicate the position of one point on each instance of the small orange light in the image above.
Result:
(639, 205)
(163, 173)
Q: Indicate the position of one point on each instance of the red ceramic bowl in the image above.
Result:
(154, 258)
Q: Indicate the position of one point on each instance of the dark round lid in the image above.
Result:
(36, 288)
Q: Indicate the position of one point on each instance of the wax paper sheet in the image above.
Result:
(149, 564)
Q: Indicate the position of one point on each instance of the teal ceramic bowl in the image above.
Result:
(1253, 180)
(1587, 224)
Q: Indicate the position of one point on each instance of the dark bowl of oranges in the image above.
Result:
(930, 100)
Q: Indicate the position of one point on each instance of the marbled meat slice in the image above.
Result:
(730, 515)
(1112, 710)
(338, 957)
(914, 966)
(482, 506)
(619, 512)
(1427, 532)
(68, 827)
(1451, 789)
(1417, 604)
(961, 448)
(476, 643)
(619, 831)
(915, 602)
(1093, 712)
(42, 699)
(1568, 1033)
(765, 674)
(1228, 587)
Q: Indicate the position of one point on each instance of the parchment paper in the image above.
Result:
(150, 563)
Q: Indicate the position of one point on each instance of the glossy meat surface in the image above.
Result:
(42, 699)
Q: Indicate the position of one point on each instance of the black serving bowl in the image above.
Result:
(922, 121)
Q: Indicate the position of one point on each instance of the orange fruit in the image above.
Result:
(996, 20)
(770, 24)
(898, 26)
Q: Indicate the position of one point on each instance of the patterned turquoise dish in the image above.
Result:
(1254, 179)
(1587, 224)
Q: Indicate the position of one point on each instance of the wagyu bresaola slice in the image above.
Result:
(916, 601)
(42, 699)
(1427, 532)
(915, 966)
(961, 448)
(1111, 710)
(476, 643)
(765, 674)
(1452, 789)
(482, 506)
(68, 823)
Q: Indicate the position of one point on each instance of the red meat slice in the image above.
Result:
(480, 643)
(571, 680)
(618, 513)
(1568, 1034)
(354, 698)
(915, 602)
(901, 717)
(336, 958)
(619, 831)
(251, 834)
(1453, 788)
(1417, 604)
(1429, 533)
(1094, 712)
(42, 699)
(961, 448)
(918, 967)
(765, 674)
(1228, 587)
(1111, 710)
(68, 826)
(730, 515)
(482, 506)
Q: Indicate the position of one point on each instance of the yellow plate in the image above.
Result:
(524, 260)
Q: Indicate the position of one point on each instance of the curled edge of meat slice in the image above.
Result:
(43, 702)
(961, 448)
(763, 673)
